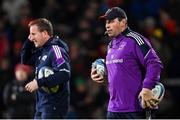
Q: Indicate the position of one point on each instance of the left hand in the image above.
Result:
(147, 97)
(32, 86)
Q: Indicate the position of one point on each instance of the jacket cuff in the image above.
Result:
(148, 83)
(40, 82)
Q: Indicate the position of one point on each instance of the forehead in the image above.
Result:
(113, 20)
(34, 28)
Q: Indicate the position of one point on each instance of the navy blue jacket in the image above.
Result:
(54, 54)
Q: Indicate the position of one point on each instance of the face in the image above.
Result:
(36, 36)
(115, 27)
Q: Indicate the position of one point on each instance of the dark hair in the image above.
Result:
(42, 24)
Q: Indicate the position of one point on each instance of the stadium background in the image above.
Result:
(75, 21)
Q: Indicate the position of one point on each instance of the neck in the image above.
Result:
(123, 29)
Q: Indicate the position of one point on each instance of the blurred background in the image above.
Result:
(76, 22)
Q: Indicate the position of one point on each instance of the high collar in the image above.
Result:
(55, 40)
(48, 42)
(126, 31)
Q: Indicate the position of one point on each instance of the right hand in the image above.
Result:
(96, 76)
(29, 38)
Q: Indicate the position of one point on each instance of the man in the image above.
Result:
(52, 92)
(133, 69)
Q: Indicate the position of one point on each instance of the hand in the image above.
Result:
(96, 77)
(29, 37)
(147, 99)
(32, 86)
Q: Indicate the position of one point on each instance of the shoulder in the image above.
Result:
(141, 42)
(59, 42)
(57, 50)
(138, 38)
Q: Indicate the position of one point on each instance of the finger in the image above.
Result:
(97, 77)
(143, 103)
(93, 71)
(152, 103)
(155, 101)
(94, 76)
(149, 104)
(26, 87)
(99, 80)
(31, 90)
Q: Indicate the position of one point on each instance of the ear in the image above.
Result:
(44, 33)
(124, 21)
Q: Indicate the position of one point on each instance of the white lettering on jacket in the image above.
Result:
(114, 61)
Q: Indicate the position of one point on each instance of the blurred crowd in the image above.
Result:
(76, 22)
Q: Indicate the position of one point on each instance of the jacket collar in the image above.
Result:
(116, 40)
(126, 31)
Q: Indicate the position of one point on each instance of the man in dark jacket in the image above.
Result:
(48, 53)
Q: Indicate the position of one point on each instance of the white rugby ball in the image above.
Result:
(45, 72)
(158, 91)
(99, 64)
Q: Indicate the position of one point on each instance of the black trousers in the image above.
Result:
(132, 115)
(49, 115)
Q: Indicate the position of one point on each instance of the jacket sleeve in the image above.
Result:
(150, 62)
(28, 55)
(61, 67)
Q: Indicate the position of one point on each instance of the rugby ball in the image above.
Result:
(99, 64)
(158, 91)
(44, 72)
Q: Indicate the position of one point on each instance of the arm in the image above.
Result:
(28, 55)
(152, 65)
(61, 66)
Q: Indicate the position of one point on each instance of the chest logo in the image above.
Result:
(122, 45)
(112, 56)
(44, 57)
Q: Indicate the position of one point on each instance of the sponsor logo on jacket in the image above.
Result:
(114, 61)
